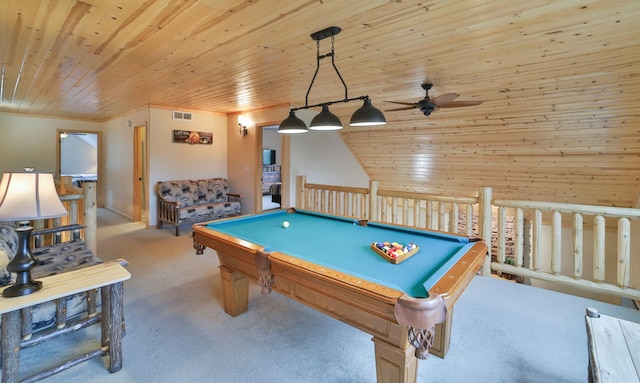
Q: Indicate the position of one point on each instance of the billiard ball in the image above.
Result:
(285, 224)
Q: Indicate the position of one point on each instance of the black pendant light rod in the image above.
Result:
(330, 103)
(366, 115)
(320, 35)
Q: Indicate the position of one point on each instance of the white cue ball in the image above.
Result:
(285, 224)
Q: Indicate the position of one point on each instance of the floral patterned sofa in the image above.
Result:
(54, 259)
(191, 201)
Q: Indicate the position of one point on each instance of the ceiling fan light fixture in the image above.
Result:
(428, 104)
(325, 120)
(367, 115)
(292, 124)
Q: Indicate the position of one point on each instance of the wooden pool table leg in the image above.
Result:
(395, 365)
(235, 291)
(440, 345)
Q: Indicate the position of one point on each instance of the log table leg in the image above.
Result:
(11, 346)
(113, 319)
(105, 339)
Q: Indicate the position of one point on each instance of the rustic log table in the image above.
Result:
(614, 348)
(108, 277)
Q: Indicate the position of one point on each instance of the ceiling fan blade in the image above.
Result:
(396, 109)
(445, 98)
(415, 105)
(459, 104)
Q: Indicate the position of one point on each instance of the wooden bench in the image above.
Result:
(108, 277)
(614, 348)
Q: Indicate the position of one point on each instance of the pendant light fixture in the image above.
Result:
(367, 115)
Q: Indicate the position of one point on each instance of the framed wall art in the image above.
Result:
(192, 138)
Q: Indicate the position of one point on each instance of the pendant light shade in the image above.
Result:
(325, 120)
(292, 124)
(367, 115)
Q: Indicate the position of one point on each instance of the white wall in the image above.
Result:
(167, 160)
(179, 161)
(118, 156)
(324, 158)
(244, 154)
(77, 156)
(321, 156)
(31, 141)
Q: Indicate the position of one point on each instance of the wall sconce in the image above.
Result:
(242, 123)
(367, 115)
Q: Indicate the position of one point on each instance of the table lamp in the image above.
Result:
(26, 196)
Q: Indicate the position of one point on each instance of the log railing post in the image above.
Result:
(302, 198)
(556, 243)
(90, 221)
(484, 216)
(578, 238)
(373, 201)
(624, 252)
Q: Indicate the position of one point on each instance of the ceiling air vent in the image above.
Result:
(185, 116)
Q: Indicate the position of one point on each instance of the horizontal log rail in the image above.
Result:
(568, 264)
(435, 212)
(526, 236)
(339, 200)
(80, 204)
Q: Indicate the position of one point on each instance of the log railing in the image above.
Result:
(566, 261)
(435, 212)
(339, 200)
(528, 237)
(81, 207)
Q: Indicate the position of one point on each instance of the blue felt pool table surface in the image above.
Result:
(341, 244)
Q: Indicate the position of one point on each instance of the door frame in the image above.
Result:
(140, 173)
(284, 166)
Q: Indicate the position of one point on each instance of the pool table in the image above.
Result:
(326, 262)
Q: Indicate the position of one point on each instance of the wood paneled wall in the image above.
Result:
(560, 80)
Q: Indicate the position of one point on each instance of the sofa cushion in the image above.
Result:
(52, 259)
(8, 246)
(217, 209)
(178, 191)
(212, 190)
(61, 257)
(193, 193)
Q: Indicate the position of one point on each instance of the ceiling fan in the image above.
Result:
(428, 105)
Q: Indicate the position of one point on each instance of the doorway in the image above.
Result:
(271, 162)
(140, 171)
(79, 156)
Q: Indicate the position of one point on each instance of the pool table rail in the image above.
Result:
(456, 279)
(419, 315)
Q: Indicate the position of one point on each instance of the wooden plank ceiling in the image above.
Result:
(560, 80)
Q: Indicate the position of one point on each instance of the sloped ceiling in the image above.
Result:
(560, 80)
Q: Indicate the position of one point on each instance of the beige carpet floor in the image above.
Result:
(178, 332)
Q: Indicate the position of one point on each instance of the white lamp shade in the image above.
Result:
(29, 195)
